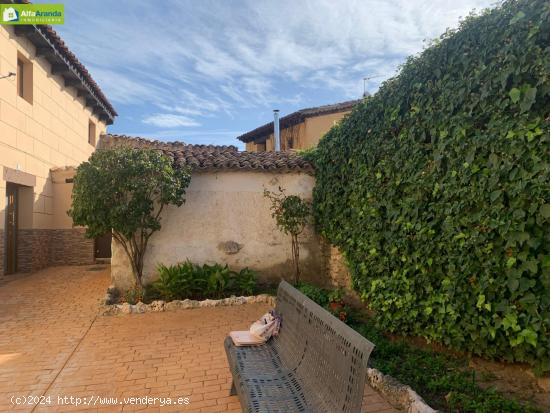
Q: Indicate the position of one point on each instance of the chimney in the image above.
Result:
(276, 131)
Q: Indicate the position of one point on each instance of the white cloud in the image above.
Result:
(169, 120)
(208, 60)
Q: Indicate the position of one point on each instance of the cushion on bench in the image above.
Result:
(315, 364)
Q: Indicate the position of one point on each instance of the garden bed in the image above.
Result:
(443, 379)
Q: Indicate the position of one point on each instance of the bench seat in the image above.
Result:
(316, 364)
(266, 385)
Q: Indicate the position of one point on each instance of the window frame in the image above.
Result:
(92, 133)
(25, 78)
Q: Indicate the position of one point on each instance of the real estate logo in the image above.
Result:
(32, 13)
(10, 15)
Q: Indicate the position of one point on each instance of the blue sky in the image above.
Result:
(206, 71)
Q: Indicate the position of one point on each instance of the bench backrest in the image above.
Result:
(329, 357)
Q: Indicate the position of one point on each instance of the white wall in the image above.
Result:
(228, 206)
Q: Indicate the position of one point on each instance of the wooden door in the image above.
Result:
(11, 228)
(103, 246)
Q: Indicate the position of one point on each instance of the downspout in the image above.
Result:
(276, 131)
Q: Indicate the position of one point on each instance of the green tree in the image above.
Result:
(291, 214)
(124, 190)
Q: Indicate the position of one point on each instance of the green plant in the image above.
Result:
(444, 381)
(436, 189)
(336, 295)
(133, 295)
(188, 280)
(245, 281)
(219, 279)
(291, 214)
(176, 281)
(317, 294)
(124, 191)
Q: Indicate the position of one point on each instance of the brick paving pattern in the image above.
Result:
(53, 343)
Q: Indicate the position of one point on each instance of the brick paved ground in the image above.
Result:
(52, 343)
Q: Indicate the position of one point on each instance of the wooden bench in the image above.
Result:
(316, 363)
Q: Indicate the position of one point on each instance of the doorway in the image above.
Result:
(103, 246)
(12, 218)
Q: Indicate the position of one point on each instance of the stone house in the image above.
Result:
(51, 115)
(226, 218)
(300, 130)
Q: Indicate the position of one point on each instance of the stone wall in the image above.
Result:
(40, 248)
(337, 271)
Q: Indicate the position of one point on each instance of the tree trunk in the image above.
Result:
(296, 258)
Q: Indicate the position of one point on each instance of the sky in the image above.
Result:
(207, 71)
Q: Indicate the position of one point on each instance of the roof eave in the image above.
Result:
(260, 134)
(39, 36)
(61, 66)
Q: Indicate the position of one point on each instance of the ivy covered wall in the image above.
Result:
(437, 189)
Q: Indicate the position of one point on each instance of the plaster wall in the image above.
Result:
(222, 207)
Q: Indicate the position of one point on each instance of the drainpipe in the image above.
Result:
(276, 131)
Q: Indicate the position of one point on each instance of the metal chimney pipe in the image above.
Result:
(276, 131)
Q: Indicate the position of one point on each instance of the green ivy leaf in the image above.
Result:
(520, 15)
(545, 211)
(480, 301)
(515, 95)
(529, 97)
(513, 284)
(530, 336)
(510, 262)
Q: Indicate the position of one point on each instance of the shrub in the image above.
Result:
(188, 280)
(317, 294)
(133, 295)
(124, 191)
(291, 214)
(246, 281)
(437, 189)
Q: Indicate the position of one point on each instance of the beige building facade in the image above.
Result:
(51, 116)
(299, 130)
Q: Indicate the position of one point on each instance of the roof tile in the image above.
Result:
(212, 157)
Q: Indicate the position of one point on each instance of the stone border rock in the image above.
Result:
(160, 306)
(399, 395)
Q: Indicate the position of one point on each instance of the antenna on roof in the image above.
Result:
(365, 80)
(276, 131)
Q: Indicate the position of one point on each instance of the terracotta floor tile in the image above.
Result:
(53, 343)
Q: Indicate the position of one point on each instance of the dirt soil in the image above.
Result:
(515, 380)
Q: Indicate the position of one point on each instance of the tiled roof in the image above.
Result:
(213, 157)
(261, 133)
(44, 37)
(64, 49)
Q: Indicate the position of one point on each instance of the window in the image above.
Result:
(24, 78)
(91, 133)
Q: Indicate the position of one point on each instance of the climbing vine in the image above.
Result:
(437, 189)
